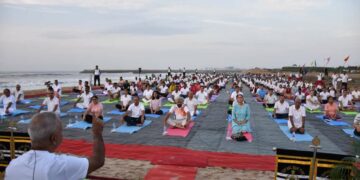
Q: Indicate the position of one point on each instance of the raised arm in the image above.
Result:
(97, 159)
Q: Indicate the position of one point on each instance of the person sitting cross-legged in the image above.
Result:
(312, 101)
(155, 105)
(181, 116)
(125, 100)
(297, 116)
(270, 99)
(331, 110)
(45, 163)
(135, 114)
(281, 108)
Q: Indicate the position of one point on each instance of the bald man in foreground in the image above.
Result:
(41, 162)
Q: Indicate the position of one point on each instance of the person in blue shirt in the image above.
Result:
(260, 94)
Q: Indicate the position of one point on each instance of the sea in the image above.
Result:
(36, 80)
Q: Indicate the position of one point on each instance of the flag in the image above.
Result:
(346, 59)
(327, 60)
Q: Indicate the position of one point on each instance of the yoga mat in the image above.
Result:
(152, 115)
(165, 110)
(24, 121)
(76, 110)
(228, 132)
(314, 111)
(26, 101)
(63, 114)
(202, 106)
(269, 109)
(350, 113)
(17, 112)
(84, 125)
(62, 103)
(73, 99)
(37, 107)
(350, 132)
(110, 102)
(277, 120)
(229, 118)
(131, 129)
(298, 137)
(116, 112)
(180, 132)
(338, 122)
(168, 104)
(230, 108)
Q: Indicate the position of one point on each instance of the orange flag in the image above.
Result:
(347, 58)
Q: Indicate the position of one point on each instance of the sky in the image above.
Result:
(72, 35)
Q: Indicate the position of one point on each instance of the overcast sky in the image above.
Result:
(123, 34)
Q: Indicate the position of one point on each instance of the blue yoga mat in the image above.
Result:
(63, 103)
(331, 122)
(17, 113)
(63, 114)
(25, 101)
(152, 115)
(84, 125)
(298, 137)
(350, 132)
(278, 121)
(116, 112)
(76, 110)
(131, 129)
(37, 107)
(24, 121)
(165, 110)
(229, 118)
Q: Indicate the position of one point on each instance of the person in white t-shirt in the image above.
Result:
(51, 102)
(175, 94)
(181, 114)
(19, 94)
(135, 114)
(297, 116)
(8, 101)
(356, 94)
(184, 91)
(324, 96)
(281, 108)
(79, 88)
(163, 90)
(57, 89)
(191, 103)
(114, 92)
(344, 80)
(97, 74)
(270, 99)
(41, 162)
(301, 95)
(147, 94)
(345, 102)
(234, 95)
(125, 101)
(86, 97)
(202, 96)
(334, 80)
(312, 102)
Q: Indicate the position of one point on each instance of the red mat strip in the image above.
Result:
(165, 172)
(166, 155)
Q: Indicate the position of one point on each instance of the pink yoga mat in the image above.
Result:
(180, 132)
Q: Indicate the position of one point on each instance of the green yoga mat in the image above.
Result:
(168, 104)
(269, 109)
(349, 113)
(202, 106)
(314, 111)
(110, 102)
(230, 108)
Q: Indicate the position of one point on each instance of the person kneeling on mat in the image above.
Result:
(137, 116)
(297, 116)
(155, 105)
(281, 108)
(240, 119)
(181, 118)
(95, 108)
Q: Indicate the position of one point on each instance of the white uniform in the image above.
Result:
(297, 115)
(5, 101)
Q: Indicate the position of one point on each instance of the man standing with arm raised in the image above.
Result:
(41, 162)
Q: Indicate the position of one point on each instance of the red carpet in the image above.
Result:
(166, 155)
(165, 172)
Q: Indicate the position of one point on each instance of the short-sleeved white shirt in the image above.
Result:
(191, 103)
(345, 100)
(148, 93)
(163, 89)
(201, 96)
(324, 95)
(180, 113)
(297, 115)
(270, 99)
(234, 94)
(86, 98)
(57, 89)
(176, 94)
(51, 104)
(19, 93)
(49, 166)
(281, 108)
(125, 99)
(6, 100)
(184, 91)
(313, 99)
(136, 111)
